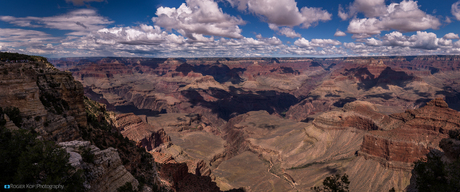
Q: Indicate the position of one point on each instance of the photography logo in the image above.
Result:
(7, 186)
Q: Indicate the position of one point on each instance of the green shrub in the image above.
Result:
(335, 183)
(454, 134)
(2, 118)
(127, 187)
(14, 115)
(432, 174)
(86, 154)
(30, 161)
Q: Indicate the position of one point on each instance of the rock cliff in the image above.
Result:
(104, 170)
(49, 100)
(419, 131)
(51, 103)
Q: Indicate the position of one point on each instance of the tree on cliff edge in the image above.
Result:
(335, 183)
(27, 160)
(434, 174)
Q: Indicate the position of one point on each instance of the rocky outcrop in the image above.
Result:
(104, 171)
(182, 181)
(419, 131)
(145, 135)
(49, 100)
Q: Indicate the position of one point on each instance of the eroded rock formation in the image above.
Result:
(106, 171)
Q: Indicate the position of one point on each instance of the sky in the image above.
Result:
(229, 28)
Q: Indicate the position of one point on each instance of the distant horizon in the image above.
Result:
(268, 57)
(230, 28)
(298, 57)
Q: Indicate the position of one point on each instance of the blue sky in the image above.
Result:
(229, 28)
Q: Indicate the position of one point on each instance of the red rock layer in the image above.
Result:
(145, 135)
(421, 130)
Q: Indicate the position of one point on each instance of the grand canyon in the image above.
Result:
(230, 96)
(236, 124)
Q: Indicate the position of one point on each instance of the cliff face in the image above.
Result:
(105, 172)
(53, 104)
(145, 135)
(420, 130)
(49, 100)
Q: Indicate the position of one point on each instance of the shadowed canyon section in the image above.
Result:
(281, 124)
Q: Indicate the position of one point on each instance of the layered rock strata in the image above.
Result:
(105, 173)
(41, 91)
(420, 131)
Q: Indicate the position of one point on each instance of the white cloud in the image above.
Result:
(80, 21)
(81, 2)
(142, 35)
(20, 37)
(457, 44)
(405, 17)
(289, 32)
(339, 33)
(370, 8)
(451, 36)
(304, 43)
(342, 14)
(373, 42)
(199, 17)
(420, 40)
(283, 13)
(28, 41)
(145, 40)
(456, 10)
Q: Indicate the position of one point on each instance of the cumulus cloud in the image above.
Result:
(289, 32)
(451, 36)
(199, 17)
(420, 40)
(304, 43)
(370, 8)
(80, 21)
(286, 31)
(342, 14)
(283, 13)
(405, 17)
(339, 33)
(456, 10)
(81, 2)
(146, 40)
(142, 35)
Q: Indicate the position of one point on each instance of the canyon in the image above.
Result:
(239, 124)
(282, 124)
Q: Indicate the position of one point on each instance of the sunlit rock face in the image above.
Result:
(279, 124)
